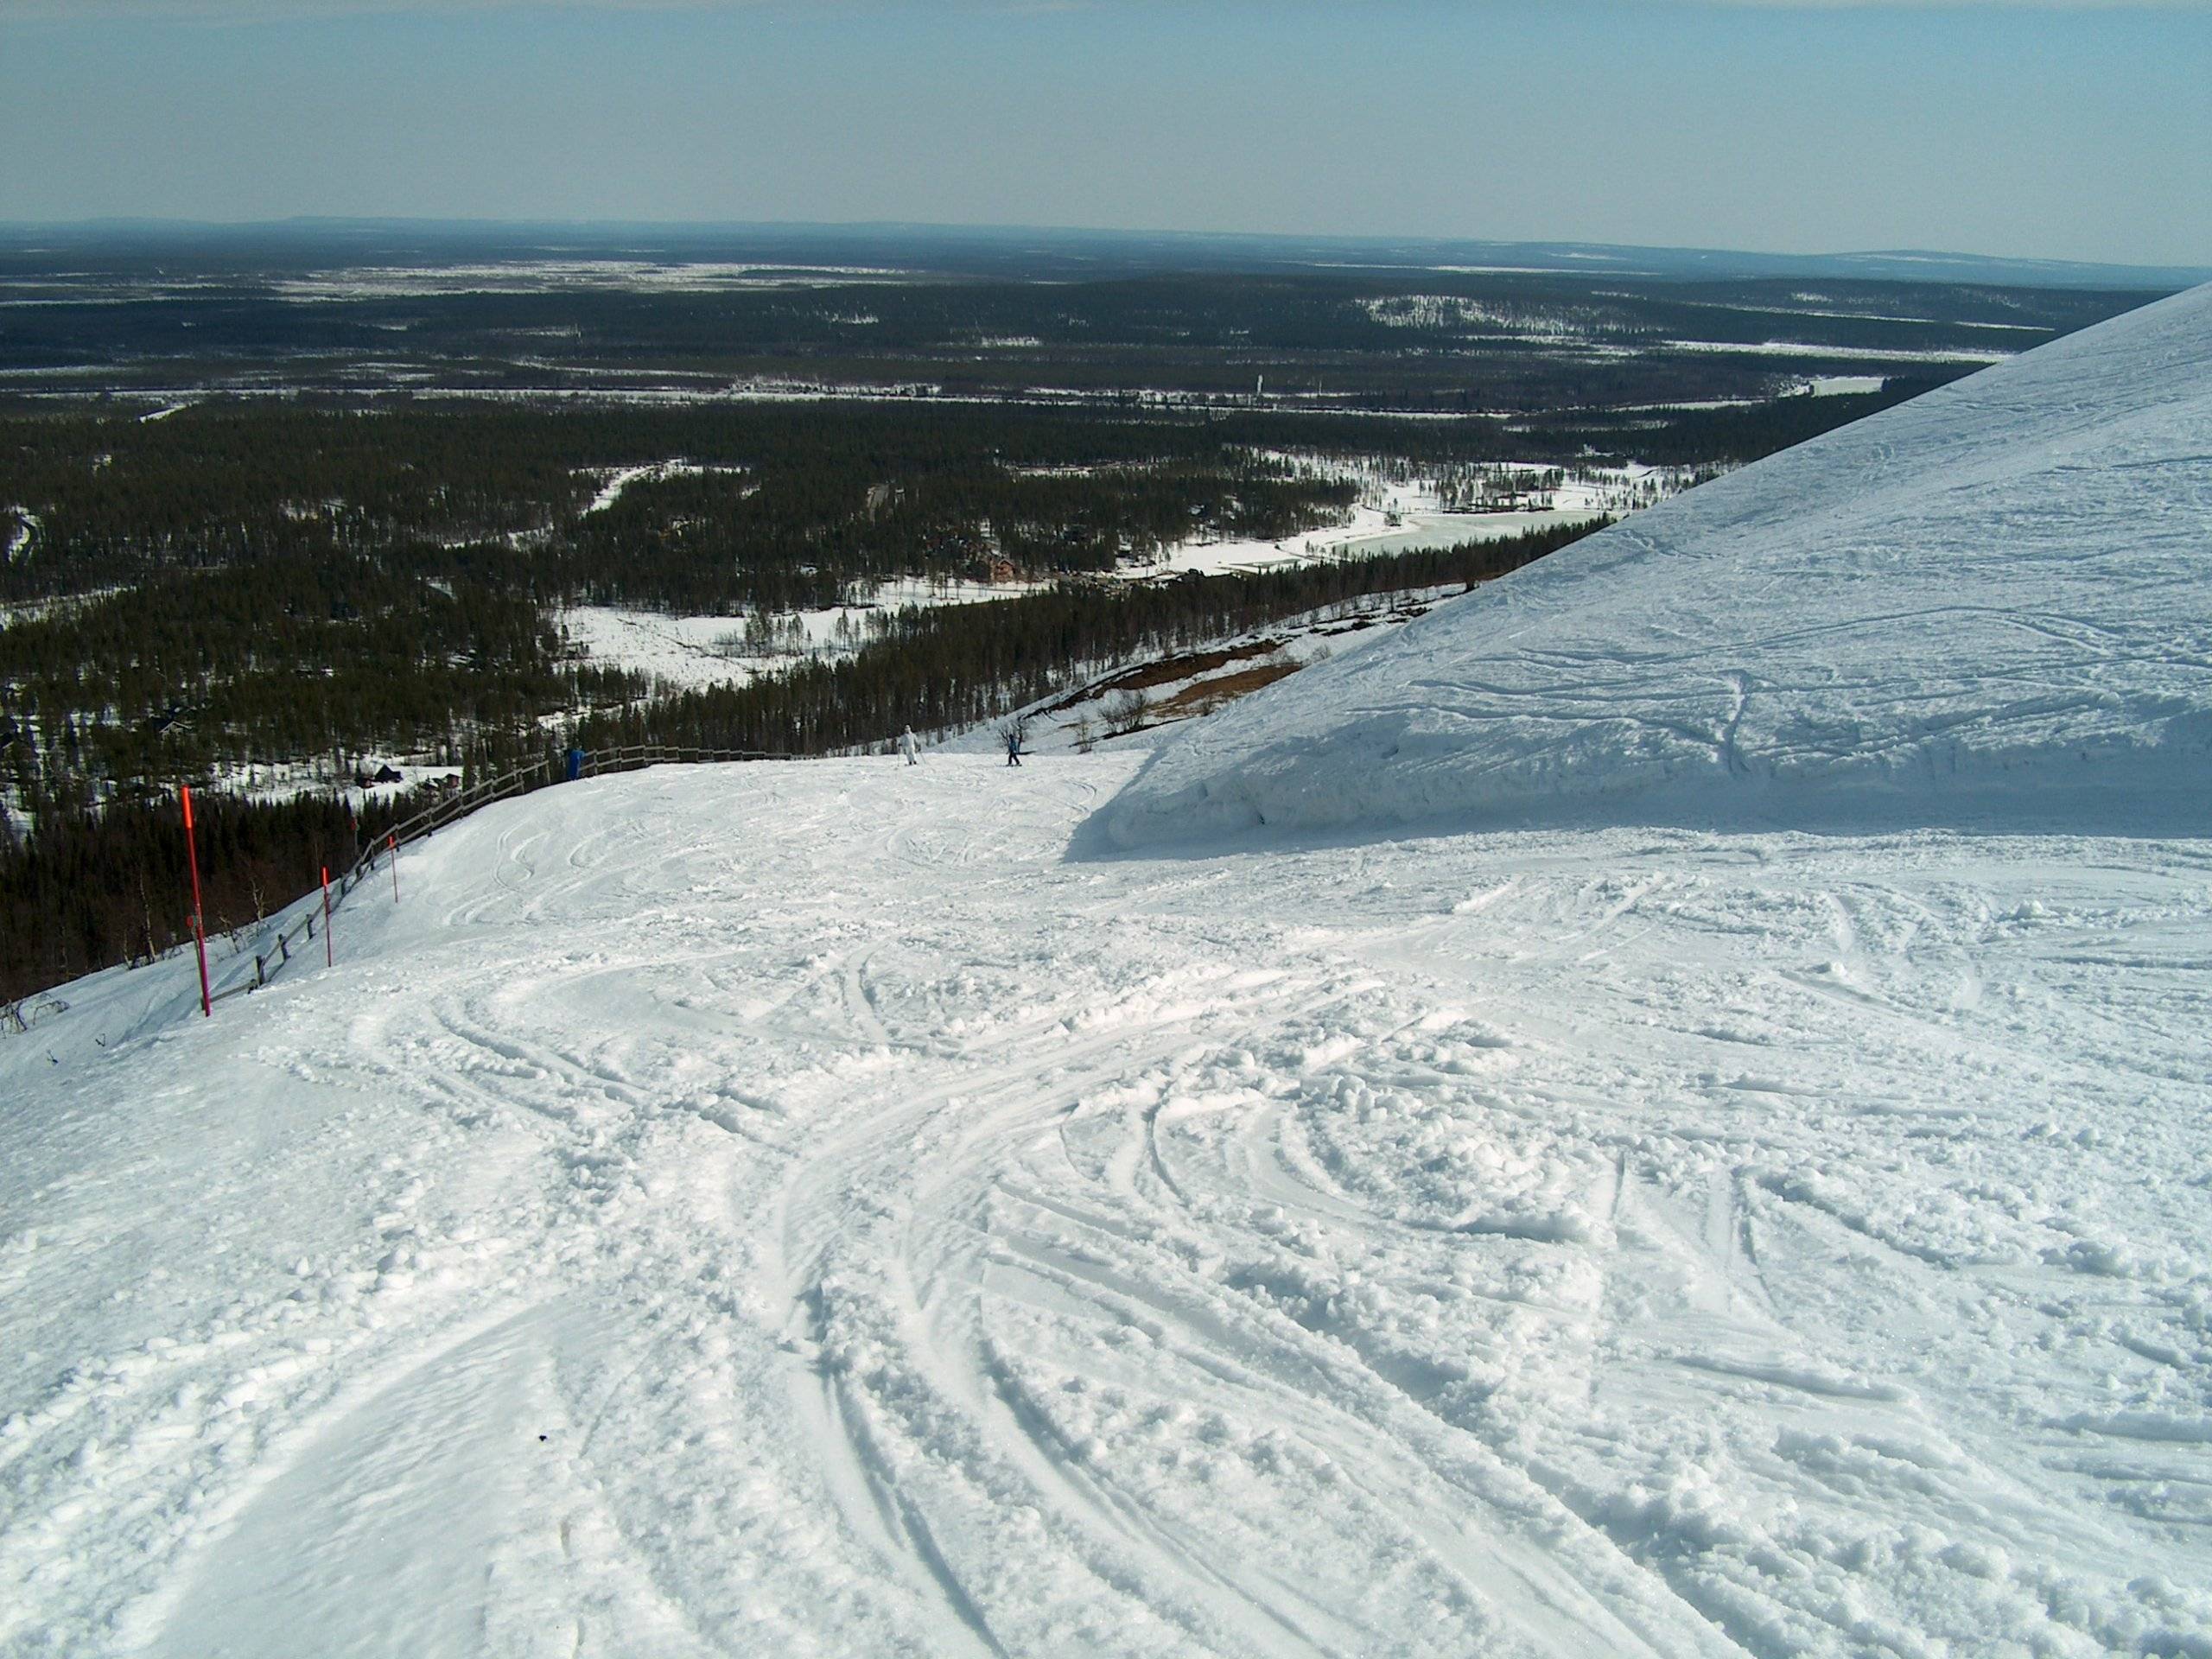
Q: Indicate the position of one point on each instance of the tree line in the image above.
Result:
(243, 587)
(82, 889)
(1519, 341)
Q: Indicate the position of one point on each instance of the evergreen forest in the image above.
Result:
(280, 507)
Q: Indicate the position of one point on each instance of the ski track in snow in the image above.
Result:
(745, 1209)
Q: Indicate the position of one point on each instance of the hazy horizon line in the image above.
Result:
(125, 222)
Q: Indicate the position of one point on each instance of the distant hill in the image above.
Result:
(1015, 251)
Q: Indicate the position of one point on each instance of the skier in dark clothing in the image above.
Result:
(1013, 745)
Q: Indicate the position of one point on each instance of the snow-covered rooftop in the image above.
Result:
(1992, 605)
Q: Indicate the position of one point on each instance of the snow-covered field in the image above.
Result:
(555, 276)
(1370, 533)
(796, 1208)
(697, 651)
(1829, 385)
(693, 651)
(1847, 353)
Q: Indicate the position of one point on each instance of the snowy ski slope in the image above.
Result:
(830, 1209)
(1990, 606)
(797, 1210)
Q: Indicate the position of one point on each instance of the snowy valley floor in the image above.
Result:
(796, 1209)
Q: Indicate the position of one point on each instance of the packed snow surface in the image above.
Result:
(798, 1210)
(1991, 604)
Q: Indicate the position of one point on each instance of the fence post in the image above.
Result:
(199, 929)
(328, 960)
(391, 841)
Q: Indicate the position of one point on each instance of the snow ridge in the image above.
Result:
(1986, 607)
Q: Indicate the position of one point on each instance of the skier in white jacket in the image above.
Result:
(907, 746)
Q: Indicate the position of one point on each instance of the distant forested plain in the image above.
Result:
(288, 508)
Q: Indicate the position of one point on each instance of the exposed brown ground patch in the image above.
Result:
(1206, 695)
(1144, 676)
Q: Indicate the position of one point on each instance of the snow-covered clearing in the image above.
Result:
(22, 526)
(699, 651)
(286, 780)
(622, 477)
(1566, 325)
(555, 276)
(728, 1209)
(1371, 534)
(681, 651)
(38, 610)
(1853, 353)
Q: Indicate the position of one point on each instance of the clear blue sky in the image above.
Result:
(2055, 130)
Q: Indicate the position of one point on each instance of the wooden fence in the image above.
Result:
(273, 956)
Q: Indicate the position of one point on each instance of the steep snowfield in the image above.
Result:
(795, 1210)
(1990, 606)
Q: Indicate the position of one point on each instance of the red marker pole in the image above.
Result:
(199, 931)
(328, 960)
(391, 841)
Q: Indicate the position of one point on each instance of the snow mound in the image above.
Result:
(1991, 607)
